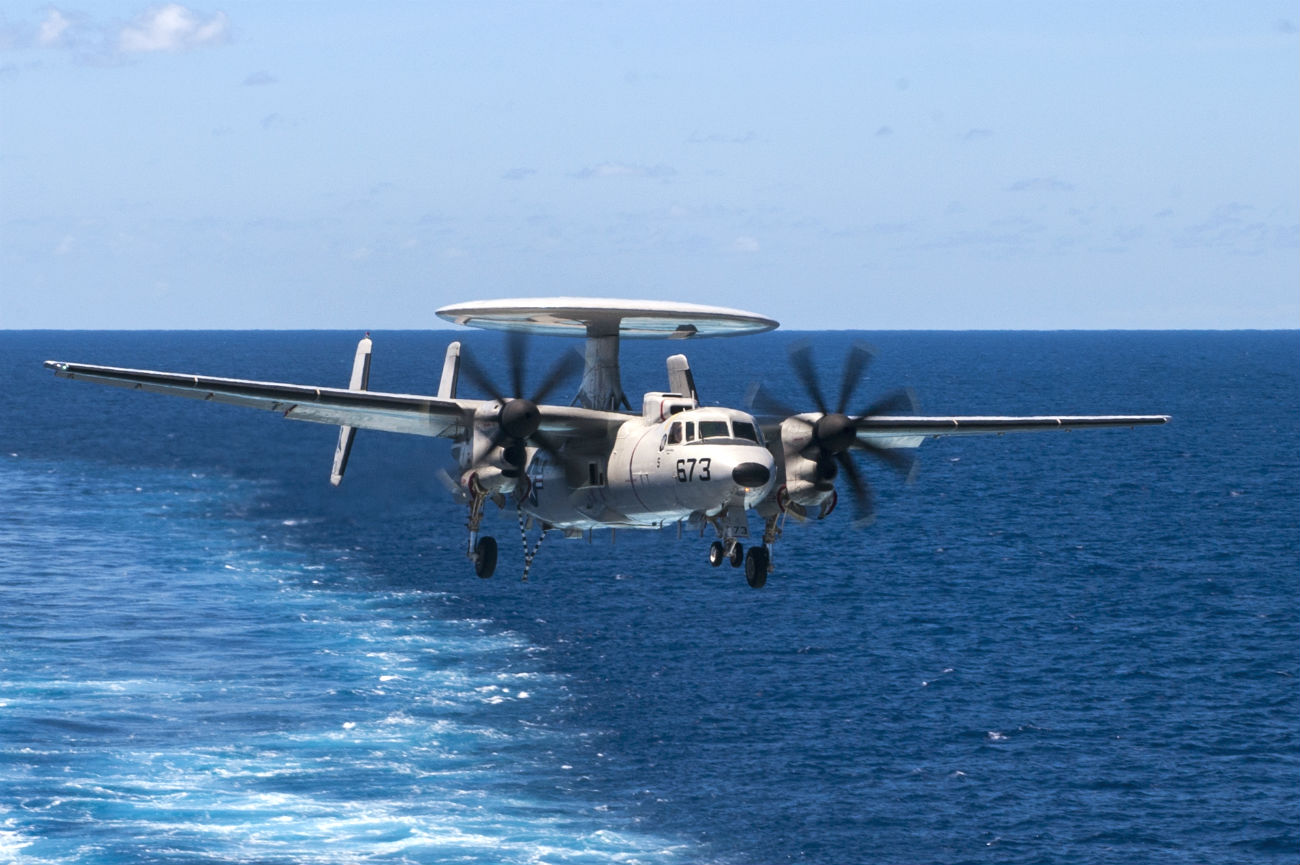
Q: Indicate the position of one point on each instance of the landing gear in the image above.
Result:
(729, 550)
(731, 528)
(485, 557)
(482, 551)
(756, 567)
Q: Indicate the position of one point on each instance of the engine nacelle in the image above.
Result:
(498, 466)
(494, 478)
(806, 486)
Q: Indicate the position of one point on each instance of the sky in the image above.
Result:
(861, 165)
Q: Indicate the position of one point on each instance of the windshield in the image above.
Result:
(714, 429)
(745, 430)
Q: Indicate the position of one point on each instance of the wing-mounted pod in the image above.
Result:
(360, 381)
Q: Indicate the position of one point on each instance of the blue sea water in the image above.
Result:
(1063, 647)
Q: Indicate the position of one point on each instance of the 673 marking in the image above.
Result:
(686, 470)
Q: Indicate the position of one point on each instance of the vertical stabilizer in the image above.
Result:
(360, 381)
(680, 379)
(450, 372)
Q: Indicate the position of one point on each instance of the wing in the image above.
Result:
(899, 431)
(399, 413)
(410, 414)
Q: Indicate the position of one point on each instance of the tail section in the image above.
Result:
(680, 380)
(360, 381)
(450, 372)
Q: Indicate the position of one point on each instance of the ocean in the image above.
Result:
(1059, 647)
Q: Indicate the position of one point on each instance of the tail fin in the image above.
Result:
(680, 380)
(450, 372)
(360, 381)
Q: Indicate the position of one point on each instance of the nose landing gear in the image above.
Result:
(729, 550)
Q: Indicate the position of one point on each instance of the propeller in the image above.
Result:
(519, 417)
(835, 433)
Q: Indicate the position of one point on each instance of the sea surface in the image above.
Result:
(1061, 647)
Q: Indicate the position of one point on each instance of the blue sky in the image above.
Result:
(857, 165)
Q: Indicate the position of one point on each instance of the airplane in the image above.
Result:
(597, 464)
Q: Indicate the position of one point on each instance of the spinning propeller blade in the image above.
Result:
(519, 416)
(834, 433)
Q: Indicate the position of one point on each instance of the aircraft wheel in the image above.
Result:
(737, 555)
(485, 557)
(756, 567)
(716, 553)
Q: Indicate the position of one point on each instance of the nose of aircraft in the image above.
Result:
(751, 475)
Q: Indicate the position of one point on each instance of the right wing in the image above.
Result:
(399, 413)
(392, 412)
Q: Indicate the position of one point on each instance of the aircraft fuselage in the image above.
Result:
(694, 463)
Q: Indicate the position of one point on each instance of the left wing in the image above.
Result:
(399, 413)
(898, 431)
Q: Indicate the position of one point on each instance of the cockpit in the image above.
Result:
(712, 428)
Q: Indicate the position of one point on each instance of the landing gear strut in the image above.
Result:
(482, 551)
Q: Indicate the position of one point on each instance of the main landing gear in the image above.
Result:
(485, 557)
(482, 551)
(756, 562)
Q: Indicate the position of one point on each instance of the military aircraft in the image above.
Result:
(594, 463)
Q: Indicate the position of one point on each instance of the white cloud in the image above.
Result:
(53, 28)
(745, 243)
(172, 28)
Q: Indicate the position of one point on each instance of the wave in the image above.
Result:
(186, 691)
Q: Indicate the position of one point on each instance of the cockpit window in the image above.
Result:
(690, 430)
(714, 429)
(675, 433)
(745, 430)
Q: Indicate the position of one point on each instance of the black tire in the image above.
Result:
(737, 555)
(716, 553)
(756, 567)
(485, 557)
